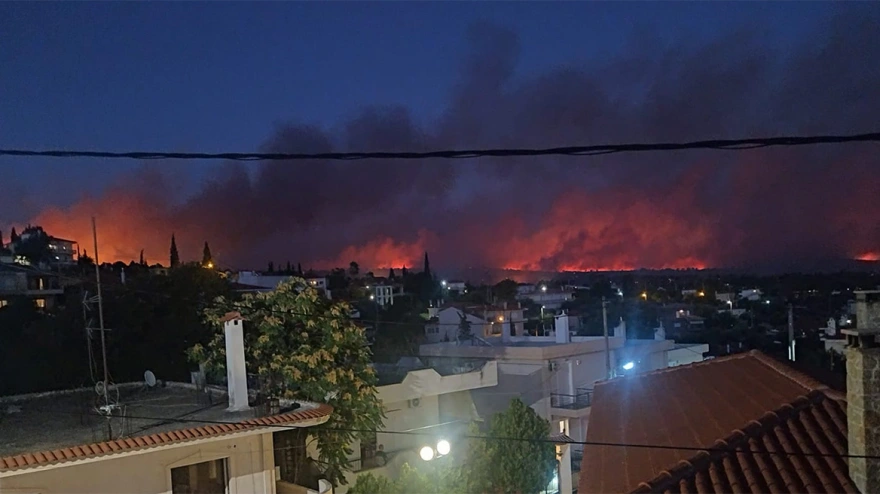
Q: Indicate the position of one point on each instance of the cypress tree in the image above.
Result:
(175, 256)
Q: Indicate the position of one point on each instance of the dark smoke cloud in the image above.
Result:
(619, 211)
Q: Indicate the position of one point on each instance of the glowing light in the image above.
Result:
(702, 294)
(209, 265)
(629, 366)
(443, 447)
(501, 318)
(544, 288)
(767, 302)
(645, 295)
(427, 453)
(372, 297)
(443, 282)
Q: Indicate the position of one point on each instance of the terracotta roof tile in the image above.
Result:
(163, 438)
(743, 409)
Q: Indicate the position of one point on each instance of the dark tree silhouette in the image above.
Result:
(207, 259)
(353, 268)
(142, 261)
(427, 265)
(175, 256)
(271, 267)
(299, 269)
(391, 275)
(13, 237)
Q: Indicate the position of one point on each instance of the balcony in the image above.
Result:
(576, 405)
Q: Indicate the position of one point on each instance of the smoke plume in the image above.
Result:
(671, 209)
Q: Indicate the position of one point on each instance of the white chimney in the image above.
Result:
(236, 374)
(562, 334)
(620, 329)
(660, 333)
(505, 330)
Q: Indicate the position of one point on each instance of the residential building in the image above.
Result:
(555, 374)
(740, 408)
(726, 297)
(485, 320)
(383, 294)
(176, 438)
(419, 398)
(547, 297)
(687, 353)
(455, 286)
(255, 281)
(60, 251)
(752, 294)
(43, 288)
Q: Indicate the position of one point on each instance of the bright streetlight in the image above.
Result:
(629, 366)
(427, 453)
(443, 282)
(544, 288)
(443, 447)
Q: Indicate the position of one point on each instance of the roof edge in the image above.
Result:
(26, 461)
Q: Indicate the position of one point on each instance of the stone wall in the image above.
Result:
(863, 415)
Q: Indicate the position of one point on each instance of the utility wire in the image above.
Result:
(711, 449)
(725, 144)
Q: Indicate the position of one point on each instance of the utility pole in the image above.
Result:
(101, 328)
(607, 344)
(790, 332)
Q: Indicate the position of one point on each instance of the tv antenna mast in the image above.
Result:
(104, 388)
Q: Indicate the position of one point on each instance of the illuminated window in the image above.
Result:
(208, 477)
(3, 303)
(41, 303)
(41, 282)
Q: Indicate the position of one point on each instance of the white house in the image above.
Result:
(547, 297)
(171, 439)
(553, 374)
(433, 403)
(444, 323)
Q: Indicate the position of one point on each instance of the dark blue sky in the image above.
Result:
(226, 76)
(217, 77)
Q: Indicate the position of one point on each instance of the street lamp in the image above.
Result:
(427, 453)
(544, 288)
(443, 447)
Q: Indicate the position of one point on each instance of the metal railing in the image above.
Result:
(582, 399)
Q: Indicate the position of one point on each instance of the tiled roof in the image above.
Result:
(740, 408)
(42, 458)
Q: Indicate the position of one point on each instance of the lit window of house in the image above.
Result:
(41, 303)
(3, 303)
(209, 477)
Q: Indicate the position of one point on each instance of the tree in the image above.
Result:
(391, 275)
(438, 477)
(288, 269)
(175, 256)
(271, 267)
(464, 327)
(13, 237)
(497, 466)
(427, 270)
(506, 290)
(305, 347)
(207, 259)
(404, 272)
(142, 261)
(299, 269)
(353, 269)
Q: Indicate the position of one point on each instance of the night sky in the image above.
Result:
(313, 77)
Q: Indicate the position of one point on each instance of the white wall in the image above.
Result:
(449, 320)
(251, 468)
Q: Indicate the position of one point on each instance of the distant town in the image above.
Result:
(444, 351)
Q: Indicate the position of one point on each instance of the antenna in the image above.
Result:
(101, 328)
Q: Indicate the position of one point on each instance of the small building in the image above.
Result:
(444, 324)
(146, 438)
(43, 288)
(547, 297)
(455, 286)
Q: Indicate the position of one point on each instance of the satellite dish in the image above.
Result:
(150, 378)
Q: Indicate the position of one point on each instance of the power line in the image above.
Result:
(718, 144)
(711, 449)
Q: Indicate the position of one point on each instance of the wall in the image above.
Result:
(449, 320)
(251, 469)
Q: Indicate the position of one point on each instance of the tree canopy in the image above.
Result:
(304, 347)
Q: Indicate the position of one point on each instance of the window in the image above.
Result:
(3, 303)
(209, 477)
(41, 303)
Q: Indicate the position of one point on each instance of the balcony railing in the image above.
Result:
(582, 399)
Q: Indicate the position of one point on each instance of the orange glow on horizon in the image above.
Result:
(869, 256)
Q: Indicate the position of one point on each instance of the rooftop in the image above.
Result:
(56, 426)
(745, 402)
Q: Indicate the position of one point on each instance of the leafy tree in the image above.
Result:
(438, 477)
(353, 269)
(207, 259)
(464, 327)
(304, 347)
(500, 466)
(175, 256)
(506, 290)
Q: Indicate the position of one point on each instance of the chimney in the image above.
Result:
(863, 392)
(562, 334)
(236, 375)
(505, 330)
(620, 329)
